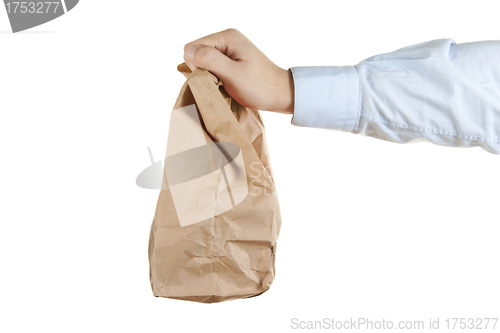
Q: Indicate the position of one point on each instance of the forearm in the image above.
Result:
(438, 91)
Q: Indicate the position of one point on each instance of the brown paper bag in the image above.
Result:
(213, 236)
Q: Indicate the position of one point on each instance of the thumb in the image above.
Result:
(210, 58)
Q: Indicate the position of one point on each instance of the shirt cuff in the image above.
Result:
(326, 97)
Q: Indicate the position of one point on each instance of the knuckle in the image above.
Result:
(232, 31)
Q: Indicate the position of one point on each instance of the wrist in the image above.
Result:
(291, 93)
(285, 92)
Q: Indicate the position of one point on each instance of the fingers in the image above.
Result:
(211, 58)
(230, 42)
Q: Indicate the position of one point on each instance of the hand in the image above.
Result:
(248, 75)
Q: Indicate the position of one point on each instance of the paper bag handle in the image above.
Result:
(218, 118)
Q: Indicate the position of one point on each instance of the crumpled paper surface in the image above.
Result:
(230, 254)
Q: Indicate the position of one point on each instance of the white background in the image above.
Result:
(370, 228)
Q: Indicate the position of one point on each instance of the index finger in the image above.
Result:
(230, 42)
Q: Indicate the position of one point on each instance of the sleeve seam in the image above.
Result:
(347, 94)
(360, 102)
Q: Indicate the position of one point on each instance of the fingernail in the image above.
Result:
(190, 52)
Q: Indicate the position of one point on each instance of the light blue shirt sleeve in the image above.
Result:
(439, 91)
